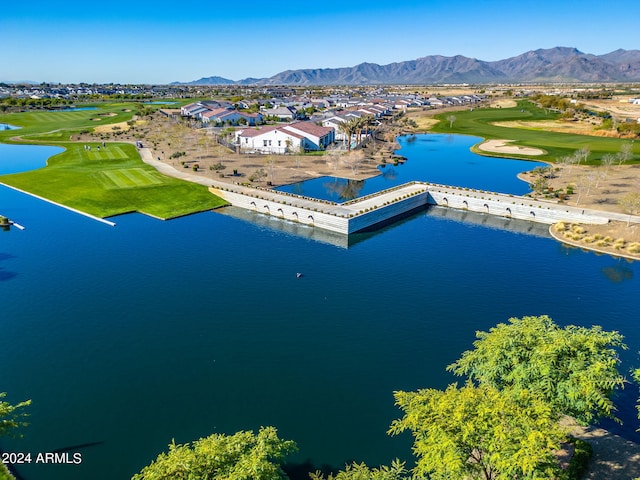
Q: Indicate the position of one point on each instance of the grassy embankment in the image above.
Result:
(105, 182)
(479, 122)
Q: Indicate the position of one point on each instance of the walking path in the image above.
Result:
(284, 205)
(614, 458)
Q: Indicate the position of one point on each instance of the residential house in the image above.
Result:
(283, 114)
(222, 116)
(285, 138)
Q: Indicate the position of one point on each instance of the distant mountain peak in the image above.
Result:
(542, 65)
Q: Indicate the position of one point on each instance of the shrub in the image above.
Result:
(579, 461)
(634, 247)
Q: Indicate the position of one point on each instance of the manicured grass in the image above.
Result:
(103, 181)
(105, 187)
(54, 126)
(479, 123)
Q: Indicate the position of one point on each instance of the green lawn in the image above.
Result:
(55, 126)
(103, 182)
(479, 123)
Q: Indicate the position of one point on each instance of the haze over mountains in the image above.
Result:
(559, 64)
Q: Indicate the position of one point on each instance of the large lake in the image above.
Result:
(128, 337)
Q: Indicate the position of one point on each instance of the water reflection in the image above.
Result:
(444, 159)
(344, 189)
(619, 272)
(6, 274)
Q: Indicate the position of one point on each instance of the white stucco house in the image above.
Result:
(282, 139)
(283, 114)
(231, 117)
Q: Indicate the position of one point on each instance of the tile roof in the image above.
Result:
(311, 128)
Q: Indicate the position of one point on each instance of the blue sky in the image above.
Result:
(150, 42)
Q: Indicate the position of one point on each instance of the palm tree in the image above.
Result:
(358, 123)
(347, 127)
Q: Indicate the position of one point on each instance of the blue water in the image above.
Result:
(76, 109)
(6, 126)
(20, 158)
(435, 158)
(128, 337)
(161, 103)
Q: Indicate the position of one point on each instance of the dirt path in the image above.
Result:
(614, 458)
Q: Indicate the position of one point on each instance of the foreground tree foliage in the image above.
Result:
(11, 416)
(636, 376)
(573, 369)
(359, 471)
(242, 456)
(479, 433)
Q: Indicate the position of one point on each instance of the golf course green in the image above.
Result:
(102, 179)
(480, 122)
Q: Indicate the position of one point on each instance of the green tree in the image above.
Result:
(479, 433)
(359, 471)
(11, 416)
(573, 369)
(348, 127)
(242, 456)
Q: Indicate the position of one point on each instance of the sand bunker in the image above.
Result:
(112, 127)
(504, 103)
(502, 146)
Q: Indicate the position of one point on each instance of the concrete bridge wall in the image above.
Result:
(511, 206)
(282, 207)
(363, 213)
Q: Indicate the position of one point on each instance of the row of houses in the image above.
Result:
(322, 130)
(221, 113)
(293, 107)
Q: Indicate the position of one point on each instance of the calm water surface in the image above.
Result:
(436, 158)
(128, 337)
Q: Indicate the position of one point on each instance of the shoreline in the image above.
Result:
(292, 170)
(604, 251)
(74, 210)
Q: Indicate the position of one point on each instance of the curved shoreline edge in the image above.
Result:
(589, 248)
(93, 217)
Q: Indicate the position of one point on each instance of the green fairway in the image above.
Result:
(479, 122)
(59, 125)
(105, 180)
(111, 153)
(128, 178)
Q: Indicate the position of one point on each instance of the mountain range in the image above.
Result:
(559, 64)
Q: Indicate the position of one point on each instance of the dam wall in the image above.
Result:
(386, 206)
(511, 206)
